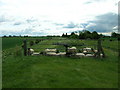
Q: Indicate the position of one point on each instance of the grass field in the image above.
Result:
(10, 42)
(59, 72)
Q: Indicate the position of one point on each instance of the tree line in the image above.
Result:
(85, 34)
(89, 35)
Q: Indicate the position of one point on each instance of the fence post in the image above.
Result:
(25, 47)
(100, 50)
(99, 47)
(66, 48)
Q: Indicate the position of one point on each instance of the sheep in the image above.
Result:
(87, 49)
(89, 55)
(50, 50)
(84, 51)
(36, 53)
(62, 53)
(51, 53)
(101, 55)
(72, 50)
(95, 51)
(80, 54)
(30, 51)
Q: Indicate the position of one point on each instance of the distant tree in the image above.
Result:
(10, 36)
(87, 34)
(73, 35)
(101, 35)
(31, 43)
(26, 36)
(113, 34)
(81, 35)
(14, 36)
(66, 35)
(84, 35)
(95, 35)
(4, 36)
(63, 35)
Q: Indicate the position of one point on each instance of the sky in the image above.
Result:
(55, 17)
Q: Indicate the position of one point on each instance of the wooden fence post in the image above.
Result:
(25, 47)
(66, 48)
(100, 50)
(99, 47)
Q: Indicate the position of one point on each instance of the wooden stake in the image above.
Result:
(100, 50)
(25, 47)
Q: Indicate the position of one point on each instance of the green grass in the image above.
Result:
(11, 42)
(60, 72)
(54, 72)
(110, 44)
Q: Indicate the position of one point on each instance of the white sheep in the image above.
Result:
(101, 55)
(50, 50)
(84, 51)
(80, 54)
(51, 53)
(30, 51)
(72, 50)
(95, 51)
(87, 50)
(90, 55)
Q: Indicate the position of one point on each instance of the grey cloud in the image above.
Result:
(6, 18)
(104, 23)
(3, 19)
(58, 24)
(17, 23)
(93, 1)
(115, 29)
(38, 33)
(71, 25)
(83, 25)
(3, 32)
(27, 31)
(47, 21)
(98, 0)
(116, 4)
(30, 31)
(22, 32)
(31, 20)
(88, 2)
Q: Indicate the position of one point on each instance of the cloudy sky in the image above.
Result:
(54, 17)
